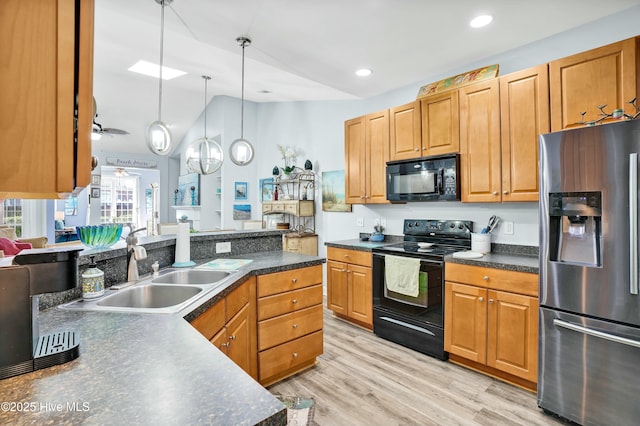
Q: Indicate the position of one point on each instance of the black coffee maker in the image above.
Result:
(34, 272)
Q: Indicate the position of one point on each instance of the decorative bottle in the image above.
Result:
(92, 281)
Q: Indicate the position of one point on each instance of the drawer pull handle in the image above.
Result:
(295, 354)
(232, 337)
(294, 280)
(294, 301)
(481, 299)
(295, 325)
(486, 278)
(224, 345)
(490, 300)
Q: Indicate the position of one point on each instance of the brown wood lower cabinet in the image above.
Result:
(289, 322)
(349, 285)
(230, 325)
(491, 321)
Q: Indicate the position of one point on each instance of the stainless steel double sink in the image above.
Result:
(170, 292)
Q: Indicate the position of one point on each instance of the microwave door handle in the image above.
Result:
(441, 181)
(633, 223)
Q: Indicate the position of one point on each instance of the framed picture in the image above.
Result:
(188, 190)
(95, 180)
(241, 211)
(333, 193)
(266, 189)
(71, 206)
(95, 192)
(240, 192)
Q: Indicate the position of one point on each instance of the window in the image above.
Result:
(12, 214)
(119, 199)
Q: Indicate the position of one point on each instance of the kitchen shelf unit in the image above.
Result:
(295, 200)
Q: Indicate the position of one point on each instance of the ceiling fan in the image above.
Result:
(97, 130)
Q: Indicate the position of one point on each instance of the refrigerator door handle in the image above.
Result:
(633, 223)
(596, 333)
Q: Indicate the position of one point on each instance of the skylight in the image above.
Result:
(153, 70)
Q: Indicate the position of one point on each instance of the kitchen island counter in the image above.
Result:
(144, 369)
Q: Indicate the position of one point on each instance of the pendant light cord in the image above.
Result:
(161, 61)
(206, 80)
(242, 96)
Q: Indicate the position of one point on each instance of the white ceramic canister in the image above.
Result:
(92, 282)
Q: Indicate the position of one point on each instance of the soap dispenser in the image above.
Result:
(92, 281)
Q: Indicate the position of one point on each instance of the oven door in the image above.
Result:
(427, 306)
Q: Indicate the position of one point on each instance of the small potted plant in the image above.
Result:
(377, 233)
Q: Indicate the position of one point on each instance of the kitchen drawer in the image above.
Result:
(284, 303)
(274, 207)
(211, 321)
(290, 326)
(285, 357)
(236, 300)
(279, 282)
(356, 257)
(497, 279)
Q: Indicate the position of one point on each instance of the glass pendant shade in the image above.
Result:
(241, 152)
(204, 156)
(158, 138)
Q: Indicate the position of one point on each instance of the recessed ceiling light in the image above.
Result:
(481, 21)
(264, 91)
(153, 70)
(364, 72)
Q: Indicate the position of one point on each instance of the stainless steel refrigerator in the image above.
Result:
(589, 354)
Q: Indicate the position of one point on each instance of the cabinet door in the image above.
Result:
(601, 76)
(239, 335)
(221, 340)
(465, 321)
(354, 162)
(524, 114)
(360, 297)
(480, 142)
(440, 124)
(405, 139)
(41, 83)
(377, 155)
(337, 290)
(512, 334)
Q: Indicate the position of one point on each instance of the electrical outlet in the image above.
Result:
(376, 221)
(223, 247)
(508, 228)
(383, 221)
(360, 221)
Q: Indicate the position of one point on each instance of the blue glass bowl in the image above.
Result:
(99, 236)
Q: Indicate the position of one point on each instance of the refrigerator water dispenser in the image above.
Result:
(575, 228)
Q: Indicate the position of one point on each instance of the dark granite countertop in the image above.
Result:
(144, 369)
(503, 256)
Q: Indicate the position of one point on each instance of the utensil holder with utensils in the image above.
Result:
(481, 243)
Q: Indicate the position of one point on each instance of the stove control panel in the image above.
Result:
(437, 227)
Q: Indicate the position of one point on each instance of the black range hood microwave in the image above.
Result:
(424, 179)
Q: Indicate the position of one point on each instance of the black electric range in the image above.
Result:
(414, 321)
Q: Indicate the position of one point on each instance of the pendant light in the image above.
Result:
(241, 150)
(204, 156)
(158, 136)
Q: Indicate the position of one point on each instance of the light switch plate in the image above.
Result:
(508, 228)
(360, 221)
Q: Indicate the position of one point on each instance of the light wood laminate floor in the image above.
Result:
(362, 379)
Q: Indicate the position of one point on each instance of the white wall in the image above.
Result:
(316, 129)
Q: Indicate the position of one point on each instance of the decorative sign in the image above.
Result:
(129, 162)
(484, 73)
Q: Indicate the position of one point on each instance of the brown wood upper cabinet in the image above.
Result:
(524, 114)
(429, 126)
(47, 70)
(603, 76)
(405, 139)
(480, 142)
(440, 123)
(366, 141)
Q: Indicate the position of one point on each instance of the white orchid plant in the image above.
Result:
(289, 156)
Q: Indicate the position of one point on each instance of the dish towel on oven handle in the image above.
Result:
(402, 274)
